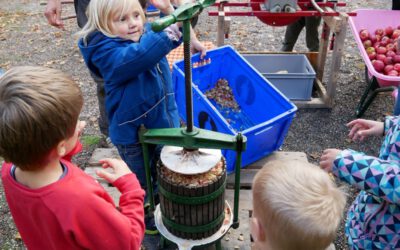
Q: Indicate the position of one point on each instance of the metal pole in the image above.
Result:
(188, 75)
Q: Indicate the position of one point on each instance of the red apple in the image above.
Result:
(396, 59)
(395, 34)
(381, 50)
(367, 43)
(381, 57)
(396, 67)
(390, 47)
(384, 41)
(390, 53)
(389, 30)
(364, 34)
(378, 37)
(380, 32)
(388, 60)
(388, 68)
(393, 73)
(372, 37)
(378, 65)
(372, 55)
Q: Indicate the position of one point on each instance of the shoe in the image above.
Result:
(150, 224)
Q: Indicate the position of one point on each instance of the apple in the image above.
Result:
(396, 67)
(372, 55)
(380, 32)
(372, 37)
(381, 57)
(367, 43)
(389, 47)
(381, 50)
(390, 53)
(396, 34)
(396, 59)
(389, 30)
(364, 34)
(393, 73)
(378, 37)
(388, 60)
(378, 65)
(370, 50)
(384, 41)
(388, 68)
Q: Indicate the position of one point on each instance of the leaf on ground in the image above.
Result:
(17, 236)
(314, 155)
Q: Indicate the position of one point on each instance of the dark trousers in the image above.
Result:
(293, 31)
(395, 4)
(80, 10)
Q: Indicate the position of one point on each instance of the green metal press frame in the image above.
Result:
(190, 137)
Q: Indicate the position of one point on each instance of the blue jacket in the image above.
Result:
(138, 82)
(373, 220)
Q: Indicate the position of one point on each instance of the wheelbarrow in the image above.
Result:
(376, 82)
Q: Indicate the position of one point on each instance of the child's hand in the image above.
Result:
(327, 158)
(164, 6)
(119, 169)
(197, 46)
(361, 128)
(80, 126)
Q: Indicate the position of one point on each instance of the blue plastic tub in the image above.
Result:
(265, 114)
(296, 83)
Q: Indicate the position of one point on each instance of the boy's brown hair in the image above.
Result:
(39, 107)
(298, 205)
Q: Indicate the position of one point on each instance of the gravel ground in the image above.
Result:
(26, 39)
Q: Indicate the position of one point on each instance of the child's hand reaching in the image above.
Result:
(119, 168)
(327, 158)
(164, 6)
(361, 128)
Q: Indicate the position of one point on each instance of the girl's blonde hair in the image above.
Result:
(100, 14)
(298, 205)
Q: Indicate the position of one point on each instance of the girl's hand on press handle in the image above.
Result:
(118, 169)
(361, 129)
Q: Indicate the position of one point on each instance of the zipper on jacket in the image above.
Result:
(165, 95)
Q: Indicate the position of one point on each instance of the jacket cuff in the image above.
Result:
(127, 183)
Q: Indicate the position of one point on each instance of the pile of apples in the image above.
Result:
(381, 47)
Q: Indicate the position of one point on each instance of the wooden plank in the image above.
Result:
(239, 238)
(247, 174)
(313, 103)
(336, 61)
(246, 178)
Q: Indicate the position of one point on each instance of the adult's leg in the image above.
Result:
(80, 10)
(395, 4)
(101, 97)
(292, 33)
(312, 36)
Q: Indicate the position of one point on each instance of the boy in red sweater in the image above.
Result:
(55, 205)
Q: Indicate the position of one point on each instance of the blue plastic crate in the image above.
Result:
(265, 114)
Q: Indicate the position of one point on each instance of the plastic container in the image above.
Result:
(296, 84)
(372, 20)
(265, 113)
